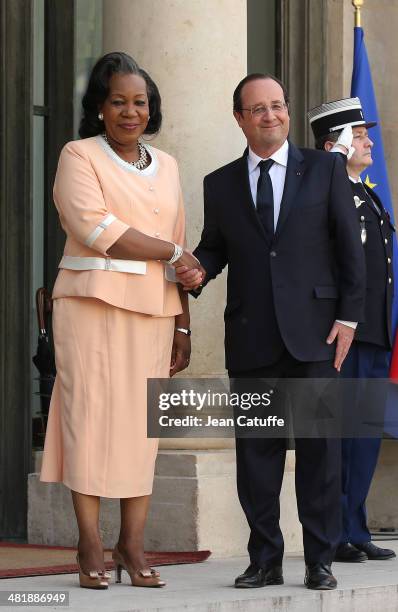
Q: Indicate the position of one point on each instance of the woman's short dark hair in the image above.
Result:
(98, 90)
(256, 76)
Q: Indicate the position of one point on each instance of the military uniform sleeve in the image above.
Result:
(348, 247)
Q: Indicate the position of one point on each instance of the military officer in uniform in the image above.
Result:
(340, 126)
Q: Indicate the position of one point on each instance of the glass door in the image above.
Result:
(40, 116)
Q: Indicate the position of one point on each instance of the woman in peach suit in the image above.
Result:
(117, 319)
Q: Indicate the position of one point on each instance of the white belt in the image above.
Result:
(100, 263)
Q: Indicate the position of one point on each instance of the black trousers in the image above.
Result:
(260, 469)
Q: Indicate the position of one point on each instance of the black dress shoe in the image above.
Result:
(249, 572)
(375, 553)
(255, 577)
(347, 553)
(319, 577)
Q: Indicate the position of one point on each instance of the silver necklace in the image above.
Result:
(141, 161)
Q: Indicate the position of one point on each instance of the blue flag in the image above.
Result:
(376, 177)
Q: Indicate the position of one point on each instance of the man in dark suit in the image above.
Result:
(339, 126)
(283, 220)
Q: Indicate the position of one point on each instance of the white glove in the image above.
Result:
(344, 143)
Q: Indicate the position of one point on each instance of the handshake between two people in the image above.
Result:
(190, 273)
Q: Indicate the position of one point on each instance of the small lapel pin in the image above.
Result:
(298, 173)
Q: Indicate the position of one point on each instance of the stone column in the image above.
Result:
(196, 52)
(183, 47)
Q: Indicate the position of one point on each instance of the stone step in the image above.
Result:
(207, 587)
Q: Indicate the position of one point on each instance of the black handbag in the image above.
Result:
(45, 363)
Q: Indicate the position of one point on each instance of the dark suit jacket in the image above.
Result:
(379, 272)
(287, 292)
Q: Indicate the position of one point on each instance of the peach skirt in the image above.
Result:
(96, 439)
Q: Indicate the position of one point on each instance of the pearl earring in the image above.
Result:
(100, 116)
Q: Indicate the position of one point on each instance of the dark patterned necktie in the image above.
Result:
(265, 197)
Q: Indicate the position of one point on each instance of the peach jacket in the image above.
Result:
(99, 196)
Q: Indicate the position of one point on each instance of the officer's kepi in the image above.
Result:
(335, 116)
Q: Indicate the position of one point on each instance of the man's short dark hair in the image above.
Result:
(256, 76)
(332, 137)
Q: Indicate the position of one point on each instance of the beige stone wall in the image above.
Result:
(380, 24)
(196, 52)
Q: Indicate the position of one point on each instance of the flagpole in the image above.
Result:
(357, 4)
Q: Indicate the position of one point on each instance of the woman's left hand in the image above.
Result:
(180, 353)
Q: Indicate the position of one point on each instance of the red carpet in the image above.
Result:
(18, 560)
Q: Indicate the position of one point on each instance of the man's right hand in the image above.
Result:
(187, 260)
(189, 278)
(344, 335)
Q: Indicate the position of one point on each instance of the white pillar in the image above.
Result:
(196, 52)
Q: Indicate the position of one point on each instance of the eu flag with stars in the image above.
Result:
(376, 177)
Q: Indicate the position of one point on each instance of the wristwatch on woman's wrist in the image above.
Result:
(184, 330)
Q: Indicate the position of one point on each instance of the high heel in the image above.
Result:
(93, 580)
(139, 578)
(118, 570)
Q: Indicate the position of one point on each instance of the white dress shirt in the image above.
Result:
(277, 175)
